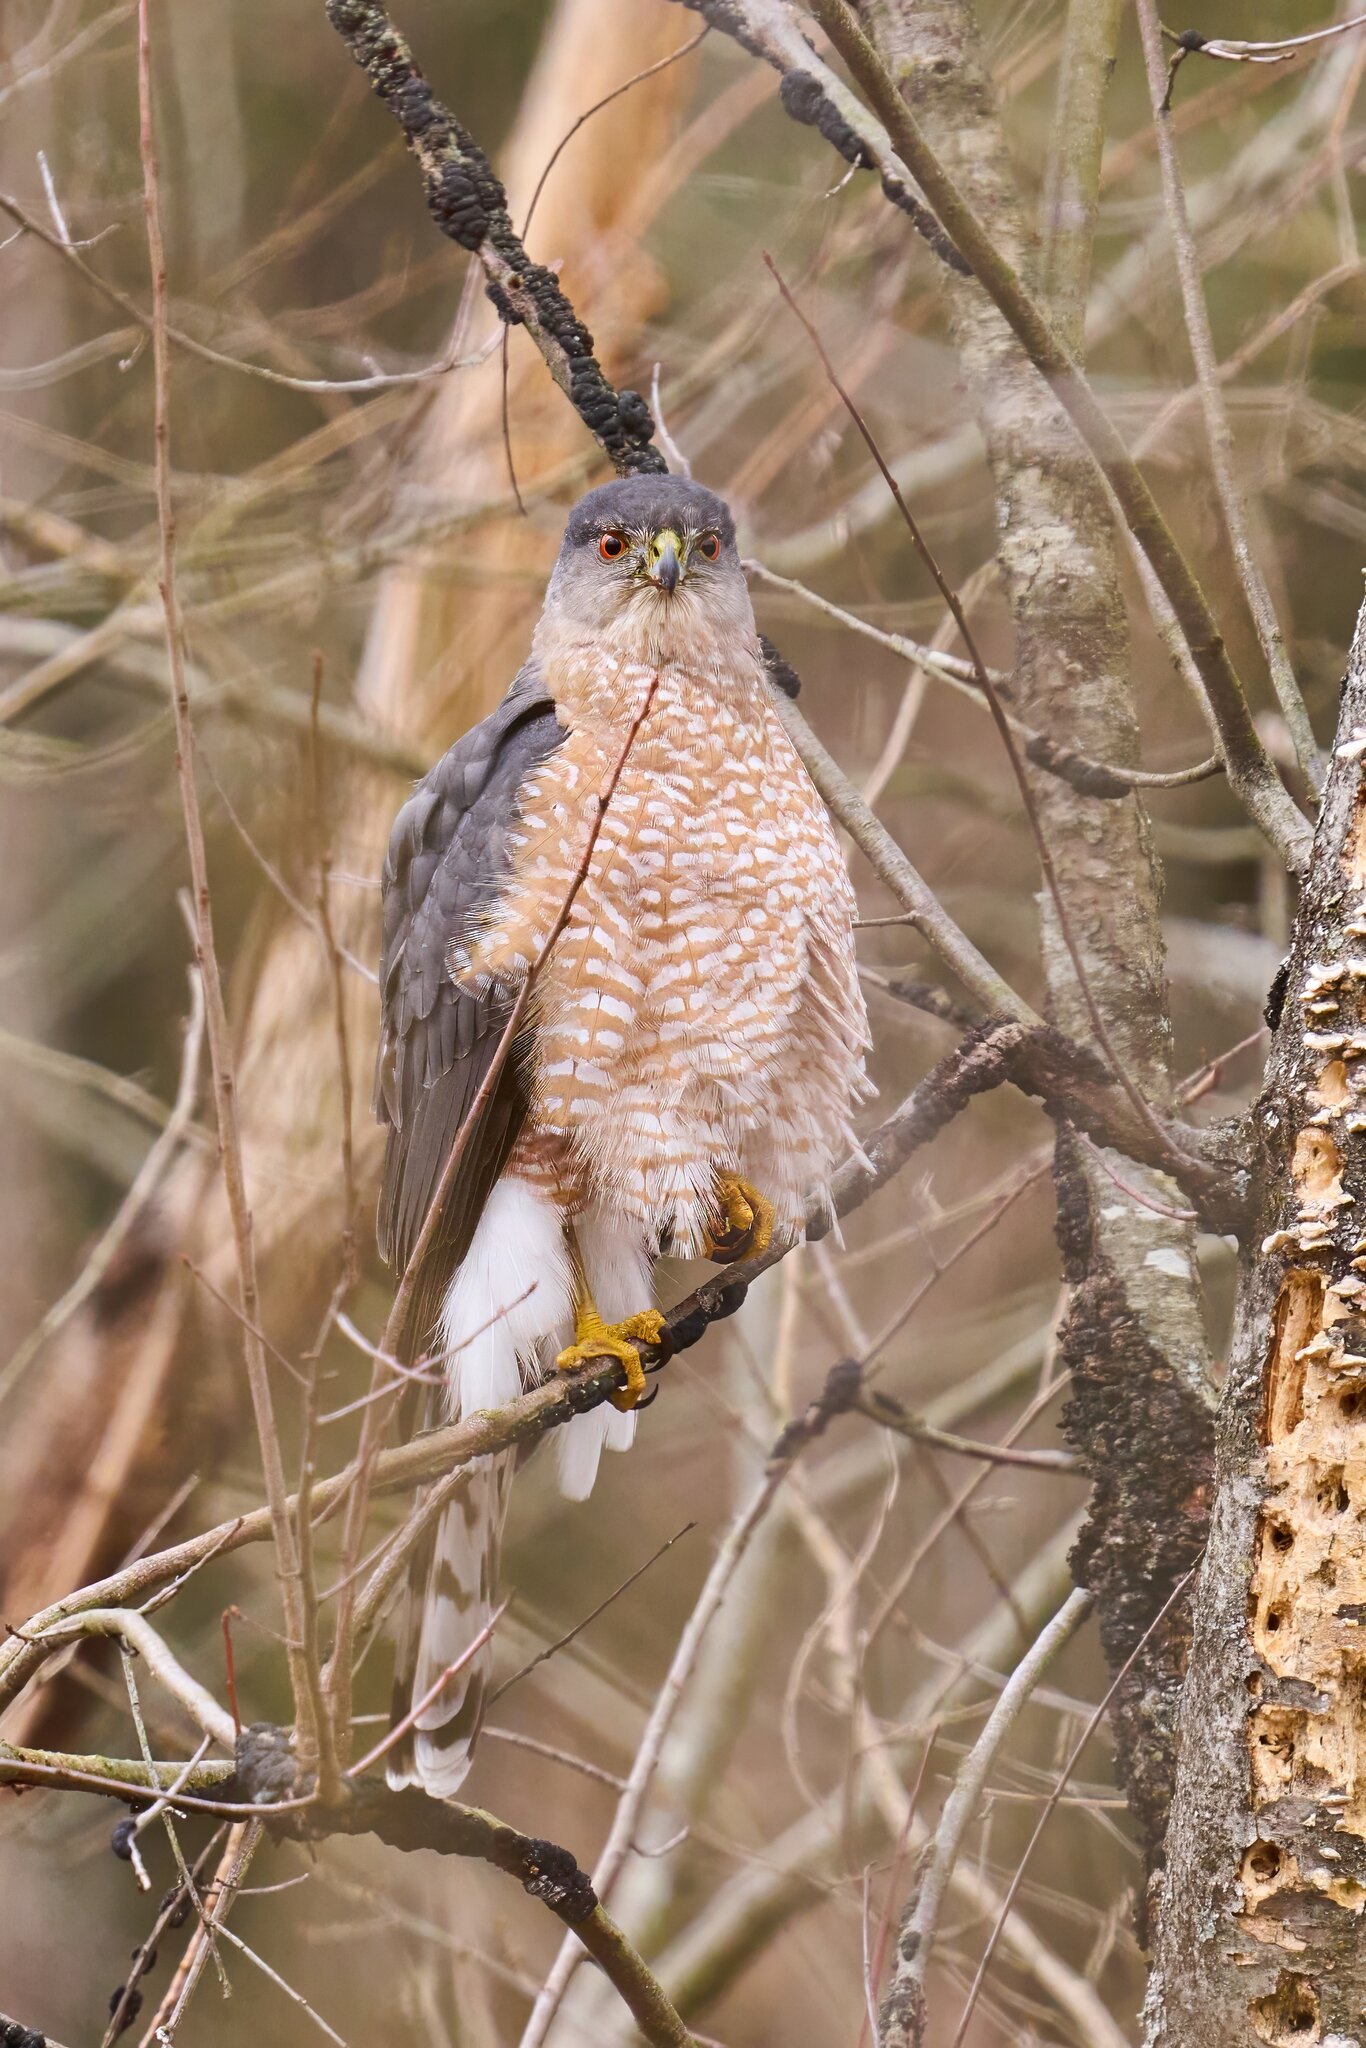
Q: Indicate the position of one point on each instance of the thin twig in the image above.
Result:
(894, 1878)
(1096, 778)
(433, 1692)
(1118, 1067)
(295, 1997)
(555, 1756)
(630, 1807)
(377, 380)
(121, 2016)
(1190, 43)
(905, 881)
(1218, 433)
(303, 1682)
(777, 35)
(1074, 1757)
(903, 2012)
(132, 1208)
(160, 1810)
(322, 854)
(637, 78)
(244, 1838)
(881, 1408)
(563, 1642)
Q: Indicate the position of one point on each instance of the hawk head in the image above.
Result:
(650, 563)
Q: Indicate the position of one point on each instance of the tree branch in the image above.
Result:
(303, 1677)
(1133, 1339)
(770, 29)
(261, 1780)
(1218, 432)
(902, 2019)
(468, 203)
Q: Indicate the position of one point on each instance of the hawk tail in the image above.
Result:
(452, 1587)
(508, 1309)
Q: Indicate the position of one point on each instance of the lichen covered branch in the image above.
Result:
(468, 203)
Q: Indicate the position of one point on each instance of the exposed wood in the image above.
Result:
(1260, 1928)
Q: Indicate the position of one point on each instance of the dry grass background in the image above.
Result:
(376, 531)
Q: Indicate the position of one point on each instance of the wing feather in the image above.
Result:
(448, 857)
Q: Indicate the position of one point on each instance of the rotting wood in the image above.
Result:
(1261, 1935)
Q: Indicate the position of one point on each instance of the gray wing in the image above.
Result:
(448, 857)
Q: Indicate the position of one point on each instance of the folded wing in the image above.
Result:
(448, 858)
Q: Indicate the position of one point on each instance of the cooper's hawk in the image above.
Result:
(695, 1038)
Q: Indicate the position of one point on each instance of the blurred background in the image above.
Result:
(368, 544)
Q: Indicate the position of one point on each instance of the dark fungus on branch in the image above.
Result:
(13, 2034)
(805, 99)
(468, 203)
(264, 1774)
(838, 1396)
(1187, 43)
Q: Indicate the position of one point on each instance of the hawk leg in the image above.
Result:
(594, 1339)
(743, 1226)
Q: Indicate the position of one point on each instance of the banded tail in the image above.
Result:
(508, 1310)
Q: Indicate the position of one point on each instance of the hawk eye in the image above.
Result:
(612, 546)
(709, 547)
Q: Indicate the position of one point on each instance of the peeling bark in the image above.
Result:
(1260, 1929)
(1134, 1338)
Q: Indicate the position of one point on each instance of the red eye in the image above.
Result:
(612, 546)
(709, 547)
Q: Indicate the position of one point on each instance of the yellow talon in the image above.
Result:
(744, 1225)
(594, 1339)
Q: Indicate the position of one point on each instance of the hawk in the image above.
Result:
(693, 1044)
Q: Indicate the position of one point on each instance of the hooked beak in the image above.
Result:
(664, 565)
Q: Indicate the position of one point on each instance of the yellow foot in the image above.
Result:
(743, 1228)
(593, 1339)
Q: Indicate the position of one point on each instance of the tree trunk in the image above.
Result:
(1134, 1338)
(1260, 1927)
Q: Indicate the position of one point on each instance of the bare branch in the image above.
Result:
(132, 1208)
(137, 1632)
(902, 2019)
(303, 1680)
(1092, 778)
(1073, 1758)
(468, 203)
(1218, 432)
(630, 1807)
(111, 344)
(1190, 43)
(772, 26)
(406, 1820)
